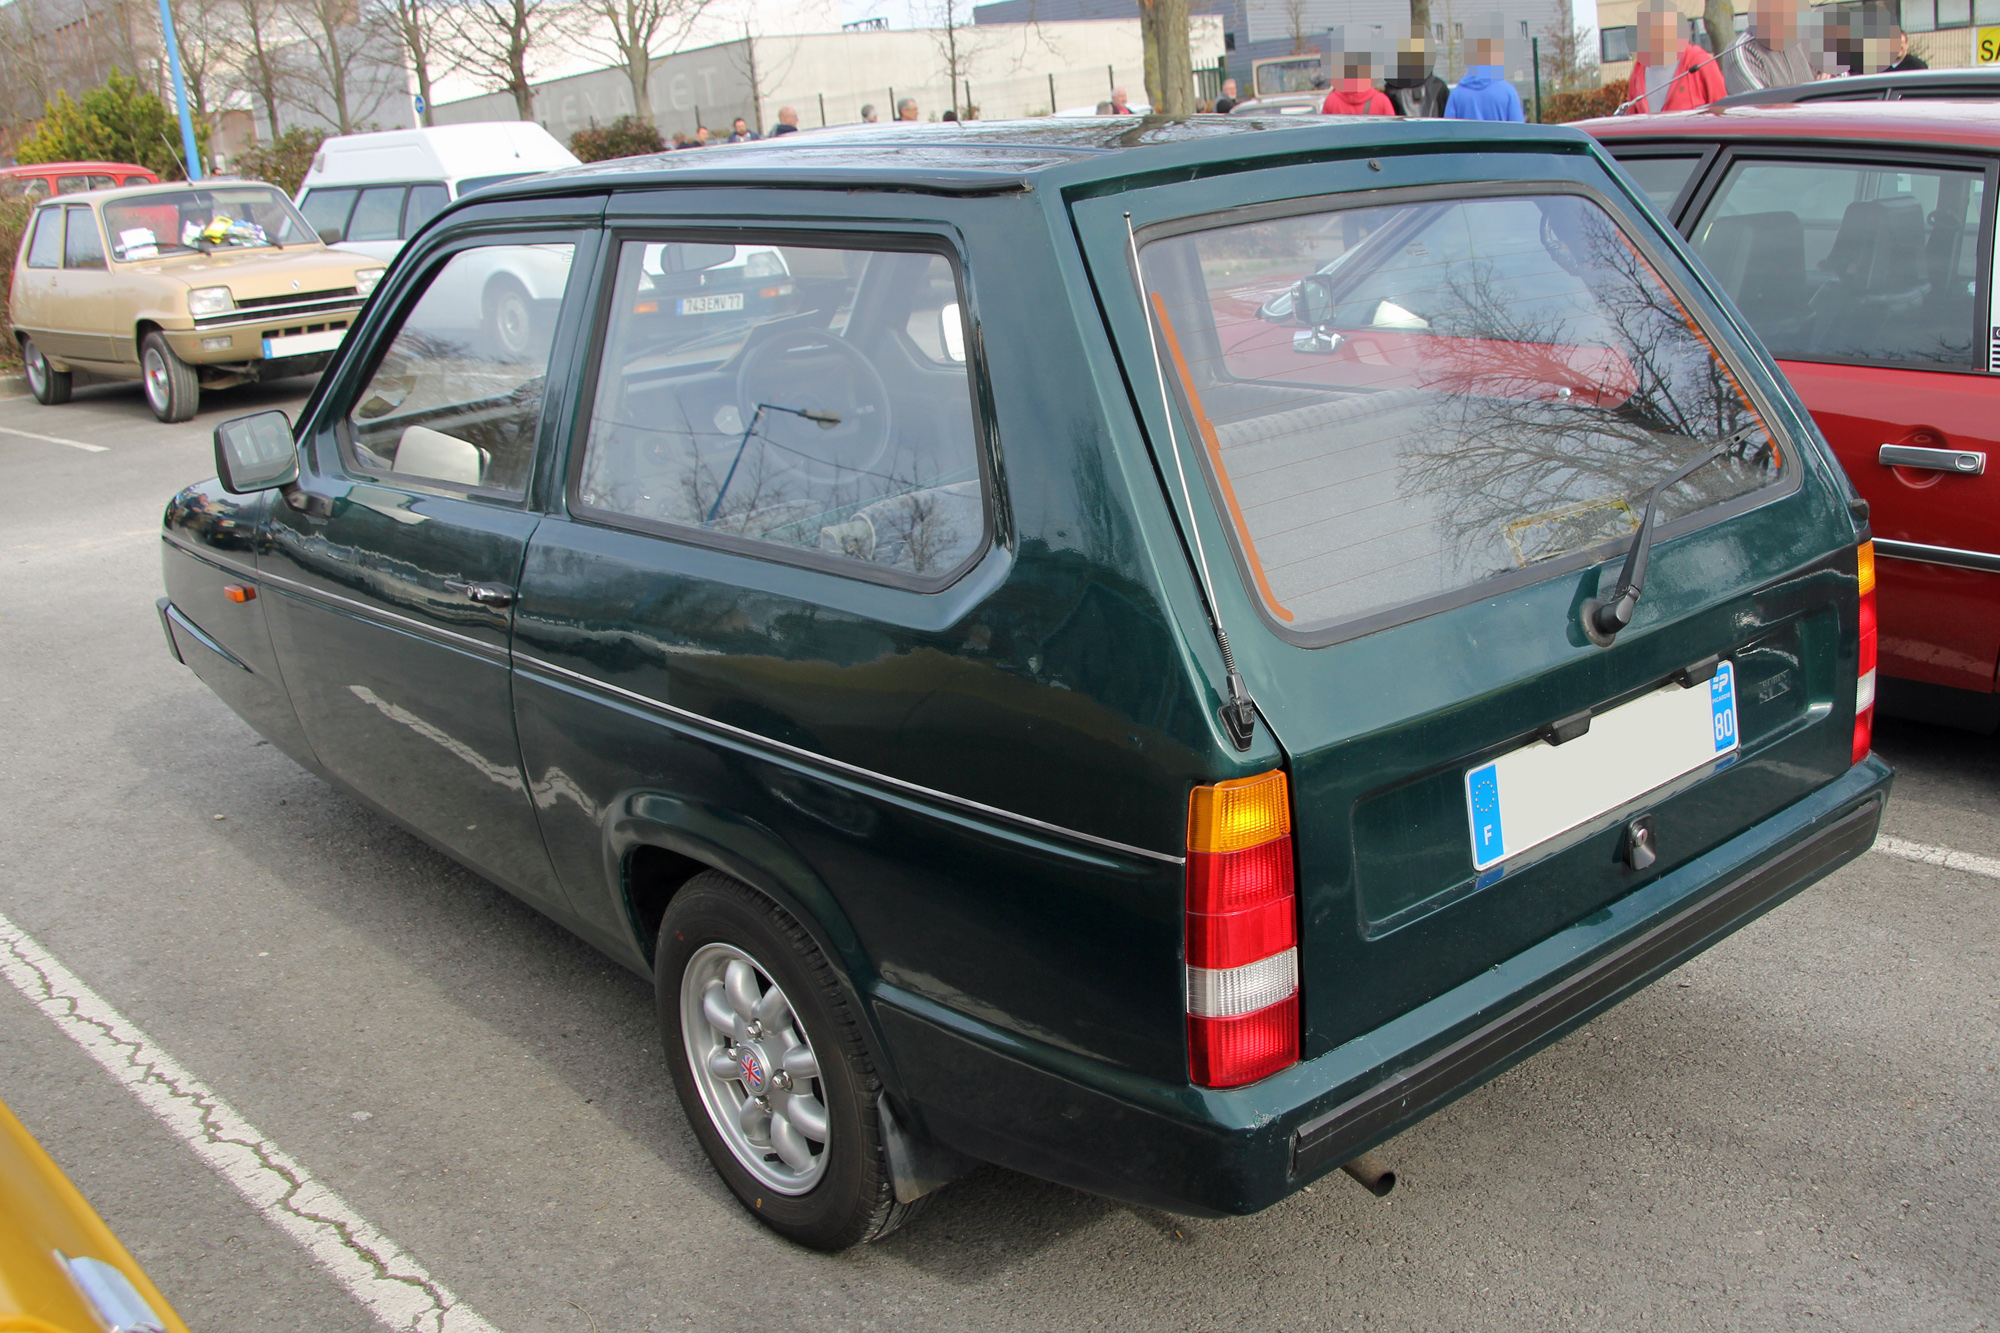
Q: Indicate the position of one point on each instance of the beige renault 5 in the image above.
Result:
(182, 287)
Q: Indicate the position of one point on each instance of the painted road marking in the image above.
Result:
(55, 439)
(374, 1269)
(1925, 854)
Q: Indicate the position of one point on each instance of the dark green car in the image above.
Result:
(1026, 692)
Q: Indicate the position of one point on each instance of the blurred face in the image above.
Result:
(741, 125)
(1489, 51)
(1777, 21)
(1659, 36)
(1899, 45)
(1229, 86)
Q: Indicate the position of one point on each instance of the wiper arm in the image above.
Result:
(1604, 617)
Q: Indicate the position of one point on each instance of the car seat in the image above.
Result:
(1761, 261)
(1877, 266)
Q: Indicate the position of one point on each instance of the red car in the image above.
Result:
(1857, 240)
(43, 179)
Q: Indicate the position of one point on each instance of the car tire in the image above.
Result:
(49, 385)
(172, 390)
(510, 319)
(783, 1097)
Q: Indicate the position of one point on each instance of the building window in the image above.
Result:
(1615, 44)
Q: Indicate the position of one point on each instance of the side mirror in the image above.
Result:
(330, 235)
(256, 453)
(1312, 300)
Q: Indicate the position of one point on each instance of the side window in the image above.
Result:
(1851, 262)
(38, 187)
(45, 246)
(82, 246)
(72, 184)
(458, 395)
(378, 214)
(426, 202)
(1661, 178)
(327, 210)
(809, 399)
(103, 182)
(139, 180)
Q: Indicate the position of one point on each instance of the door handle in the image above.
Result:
(1965, 462)
(486, 594)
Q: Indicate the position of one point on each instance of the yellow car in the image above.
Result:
(61, 1269)
(182, 287)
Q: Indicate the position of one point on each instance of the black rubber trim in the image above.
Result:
(167, 626)
(1348, 1129)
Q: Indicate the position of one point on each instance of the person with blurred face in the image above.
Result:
(1484, 93)
(1118, 103)
(1416, 90)
(906, 109)
(740, 131)
(1775, 55)
(788, 122)
(1905, 58)
(1356, 93)
(1227, 102)
(868, 114)
(1670, 74)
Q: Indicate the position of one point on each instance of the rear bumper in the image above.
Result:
(1060, 1116)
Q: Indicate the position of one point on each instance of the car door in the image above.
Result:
(397, 569)
(1868, 277)
(89, 291)
(38, 279)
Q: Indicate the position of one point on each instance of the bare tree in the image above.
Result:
(414, 25)
(957, 42)
(338, 70)
(1163, 27)
(1295, 17)
(25, 73)
(498, 40)
(1566, 58)
(202, 29)
(642, 32)
(261, 65)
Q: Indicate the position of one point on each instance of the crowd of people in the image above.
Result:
(1670, 71)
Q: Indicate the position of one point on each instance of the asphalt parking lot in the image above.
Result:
(1801, 1128)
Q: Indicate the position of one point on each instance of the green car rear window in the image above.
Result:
(1411, 405)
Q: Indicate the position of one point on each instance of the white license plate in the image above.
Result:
(709, 305)
(1540, 791)
(303, 344)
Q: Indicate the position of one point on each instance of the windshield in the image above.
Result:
(203, 219)
(1457, 391)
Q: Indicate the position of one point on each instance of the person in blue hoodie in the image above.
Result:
(1484, 93)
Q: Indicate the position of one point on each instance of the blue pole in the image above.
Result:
(180, 92)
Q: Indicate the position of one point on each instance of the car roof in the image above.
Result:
(1966, 124)
(58, 168)
(1973, 83)
(987, 157)
(119, 192)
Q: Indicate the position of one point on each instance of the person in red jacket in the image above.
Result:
(1356, 94)
(1670, 73)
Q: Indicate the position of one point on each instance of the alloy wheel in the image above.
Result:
(157, 389)
(755, 1068)
(38, 371)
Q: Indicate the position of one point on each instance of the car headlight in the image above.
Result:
(365, 279)
(210, 301)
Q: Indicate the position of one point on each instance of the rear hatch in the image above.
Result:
(1429, 427)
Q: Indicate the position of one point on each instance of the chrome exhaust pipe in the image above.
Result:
(1371, 1174)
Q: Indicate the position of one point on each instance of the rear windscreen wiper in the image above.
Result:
(1604, 617)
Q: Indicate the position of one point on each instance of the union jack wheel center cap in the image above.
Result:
(751, 1062)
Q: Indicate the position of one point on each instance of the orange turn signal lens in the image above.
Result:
(1239, 813)
(1864, 566)
(237, 592)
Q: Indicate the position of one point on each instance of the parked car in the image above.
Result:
(1281, 104)
(181, 287)
(43, 179)
(371, 192)
(61, 1269)
(1851, 236)
(1957, 85)
(854, 664)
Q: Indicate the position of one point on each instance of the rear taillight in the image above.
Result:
(1864, 670)
(1242, 932)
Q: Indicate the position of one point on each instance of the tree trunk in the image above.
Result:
(1720, 19)
(638, 70)
(1420, 20)
(1149, 37)
(1176, 64)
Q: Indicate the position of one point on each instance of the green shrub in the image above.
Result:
(284, 161)
(120, 122)
(627, 136)
(14, 215)
(1561, 108)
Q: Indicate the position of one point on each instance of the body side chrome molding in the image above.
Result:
(450, 638)
(1938, 555)
(526, 663)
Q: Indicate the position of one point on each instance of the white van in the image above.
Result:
(376, 190)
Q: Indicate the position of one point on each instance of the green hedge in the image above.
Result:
(13, 221)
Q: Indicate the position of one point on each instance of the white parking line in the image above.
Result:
(55, 439)
(1925, 854)
(389, 1283)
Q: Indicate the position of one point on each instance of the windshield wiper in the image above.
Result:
(1604, 617)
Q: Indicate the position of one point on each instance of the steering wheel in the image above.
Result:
(815, 370)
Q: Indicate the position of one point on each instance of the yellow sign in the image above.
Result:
(1989, 46)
